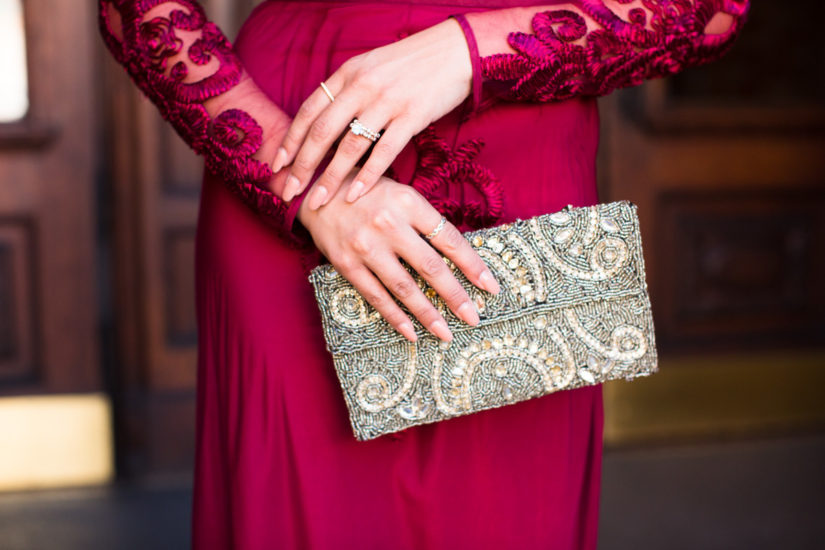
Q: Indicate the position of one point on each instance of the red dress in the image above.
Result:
(277, 464)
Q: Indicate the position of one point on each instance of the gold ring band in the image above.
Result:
(438, 228)
(326, 91)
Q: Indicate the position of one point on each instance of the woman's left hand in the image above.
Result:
(399, 88)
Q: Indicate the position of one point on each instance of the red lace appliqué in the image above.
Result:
(439, 165)
(226, 141)
(662, 38)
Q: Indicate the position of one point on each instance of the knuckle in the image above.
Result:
(407, 198)
(361, 245)
(344, 263)
(304, 113)
(384, 220)
(350, 148)
(320, 130)
(302, 164)
(452, 238)
(366, 80)
(374, 299)
(404, 288)
(384, 149)
(432, 266)
(331, 177)
(394, 317)
(455, 295)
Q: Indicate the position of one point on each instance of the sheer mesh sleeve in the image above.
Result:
(592, 47)
(186, 66)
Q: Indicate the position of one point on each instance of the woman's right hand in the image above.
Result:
(364, 241)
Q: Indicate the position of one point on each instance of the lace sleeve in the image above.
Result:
(186, 66)
(592, 47)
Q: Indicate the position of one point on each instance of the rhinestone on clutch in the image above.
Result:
(574, 311)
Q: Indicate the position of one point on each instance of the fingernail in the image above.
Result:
(439, 328)
(291, 187)
(407, 331)
(317, 199)
(355, 191)
(280, 159)
(489, 283)
(467, 312)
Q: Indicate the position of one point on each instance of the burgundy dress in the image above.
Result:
(277, 464)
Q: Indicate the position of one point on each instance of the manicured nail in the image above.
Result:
(280, 160)
(408, 332)
(355, 191)
(317, 199)
(467, 312)
(291, 188)
(439, 328)
(489, 283)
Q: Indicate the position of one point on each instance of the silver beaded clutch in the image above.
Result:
(573, 311)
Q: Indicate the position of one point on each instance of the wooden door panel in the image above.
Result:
(725, 163)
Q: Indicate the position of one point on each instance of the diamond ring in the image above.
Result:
(360, 130)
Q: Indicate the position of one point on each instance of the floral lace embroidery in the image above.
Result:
(228, 140)
(661, 38)
(438, 165)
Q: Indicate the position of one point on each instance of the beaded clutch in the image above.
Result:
(573, 311)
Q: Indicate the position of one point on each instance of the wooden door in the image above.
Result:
(726, 164)
(153, 185)
(54, 416)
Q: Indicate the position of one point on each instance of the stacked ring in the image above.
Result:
(359, 129)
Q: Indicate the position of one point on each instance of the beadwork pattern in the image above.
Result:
(574, 311)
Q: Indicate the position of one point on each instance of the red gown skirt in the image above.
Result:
(277, 466)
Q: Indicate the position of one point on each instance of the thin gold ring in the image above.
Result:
(326, 91)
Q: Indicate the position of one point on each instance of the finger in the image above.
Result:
(297, 132)
(453, 245)
(377, 296)
(350, 150)
(322, 133)
(400, 283)
(387, 148)
(430, 265)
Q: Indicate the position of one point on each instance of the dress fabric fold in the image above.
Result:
(277, 465)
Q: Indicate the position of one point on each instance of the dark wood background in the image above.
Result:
(99, 204)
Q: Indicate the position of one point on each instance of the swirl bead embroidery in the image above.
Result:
(562, 320)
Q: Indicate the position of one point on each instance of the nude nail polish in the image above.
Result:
(355, 191)
(440, 329)
(280, 160)
(316, 201)
(467, 312)
(489, 283)
(408, 332)
(291, 188)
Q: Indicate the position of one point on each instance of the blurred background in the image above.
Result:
(724, 448)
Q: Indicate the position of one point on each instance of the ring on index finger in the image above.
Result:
(442, 223)
(326, 91)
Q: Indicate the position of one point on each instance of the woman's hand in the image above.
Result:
(399, 88)
(365, 240)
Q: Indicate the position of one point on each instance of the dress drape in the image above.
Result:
(277, 465)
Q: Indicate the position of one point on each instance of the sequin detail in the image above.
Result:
(563, 320)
